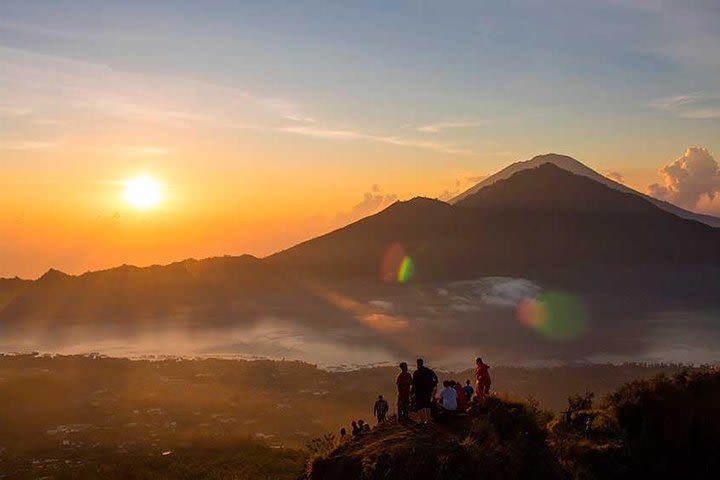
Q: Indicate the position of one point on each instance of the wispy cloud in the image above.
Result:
(476, 178)
(26, 28)
(345, 134)
(13, 111)
(27, 145)
(616, 176)
(372, 202)
(692, 105)
(702, 113)
(43, 83)
(146, 150)
(439, 126)
(48, 83)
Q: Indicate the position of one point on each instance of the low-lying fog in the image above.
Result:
(506, 320)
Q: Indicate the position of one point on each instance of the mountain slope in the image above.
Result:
(660, 428)
(536, 220)
(213, 291)
(10, 288)
(578, 168)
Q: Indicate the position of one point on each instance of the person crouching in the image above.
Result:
(447, 403)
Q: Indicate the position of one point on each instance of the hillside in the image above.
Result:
(11, 288)
(659, 428)
(214, 291)
(505, 441)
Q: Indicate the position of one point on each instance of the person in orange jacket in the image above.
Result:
(461, 397)
(482, 380)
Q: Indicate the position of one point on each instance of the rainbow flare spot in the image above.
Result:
(396, 265)
(406, 270)
(556, 315)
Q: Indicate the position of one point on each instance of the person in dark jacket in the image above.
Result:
(404, 383)
(469, 390)
(424, 383)
(380, 409)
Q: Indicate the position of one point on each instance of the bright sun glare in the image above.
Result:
(143, 191)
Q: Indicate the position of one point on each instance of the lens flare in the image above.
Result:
(396, 265)
(406, 270)
(556, 315)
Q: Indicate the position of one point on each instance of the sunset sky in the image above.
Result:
(267, 123)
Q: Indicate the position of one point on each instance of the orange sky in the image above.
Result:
(76, 218)
(269, 125)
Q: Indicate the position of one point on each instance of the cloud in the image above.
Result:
(46, 83)
(475, 295)
(617, 176)
(450, 194)
(438, 126)
(346, 134)
(27, 145)
(12, 111)
(146, 150)
(692, 105)
(372, 202)
(702, 113)
(690, 178)
(382, 304)
(476, 178)
(460, 186)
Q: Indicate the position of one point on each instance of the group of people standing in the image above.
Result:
(418, 392)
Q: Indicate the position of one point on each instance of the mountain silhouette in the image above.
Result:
(214, 291)
(536, 220)
(578, 168)
(10, 288)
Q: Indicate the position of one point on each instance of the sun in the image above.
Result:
(143, 191)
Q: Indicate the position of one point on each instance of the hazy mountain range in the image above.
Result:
(550, 222)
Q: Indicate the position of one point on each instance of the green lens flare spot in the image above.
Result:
(406, 270)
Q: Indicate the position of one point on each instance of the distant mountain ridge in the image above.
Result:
(212, 291)
(537, 219)
(574, 166)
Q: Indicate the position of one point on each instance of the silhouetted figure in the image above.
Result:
(424, 383)
(482, 380)
(448, 398)
(404, 383)
(356, 429)
(366, 427)
(380, 409)
(462, 404)
(469, 390)
(361, 426)
(343, 433)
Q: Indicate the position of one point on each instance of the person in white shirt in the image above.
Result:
(448, 397)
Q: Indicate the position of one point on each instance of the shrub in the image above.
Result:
(509, 442)
(671, 425)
